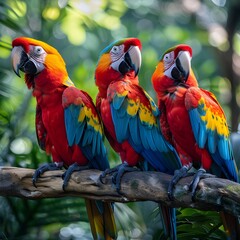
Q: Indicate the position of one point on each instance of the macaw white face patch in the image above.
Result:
(117, 52)
(117, 56)
(37, 53)
(168, 60)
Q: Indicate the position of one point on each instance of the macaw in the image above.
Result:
(193, 120)
(130, 118)
(68, 126)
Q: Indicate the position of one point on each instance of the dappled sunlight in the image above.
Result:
(51, 13)
(21, 146)
(220, 3)
(75, 231)
(192, 5)
(218, 37)
(79, 14)
(236, 63)
(19, 9)
(236, 42)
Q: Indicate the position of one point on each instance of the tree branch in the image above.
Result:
(213, 193)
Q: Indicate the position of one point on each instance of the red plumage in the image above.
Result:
(194, 122)
(105, 75)
(130, 119)
(67, 123)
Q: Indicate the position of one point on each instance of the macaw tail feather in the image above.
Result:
(101, 220)
(168, 217)
(231, 225)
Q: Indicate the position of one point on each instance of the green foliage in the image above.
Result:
(79, 30)
(195, 224)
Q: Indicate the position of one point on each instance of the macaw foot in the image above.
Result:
(117, 176)
(118, 173)
(178, 174)
(45, 167)
(67, 174)
(200, 174)
(108, 171)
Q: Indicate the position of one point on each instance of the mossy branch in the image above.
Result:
(212, 194)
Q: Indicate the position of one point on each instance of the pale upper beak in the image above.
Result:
(185, 63)
(16, 57)
(136, 58)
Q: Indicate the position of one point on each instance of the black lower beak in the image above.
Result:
(26, 65)
(24, 58)
(178, 73)
(126, 65)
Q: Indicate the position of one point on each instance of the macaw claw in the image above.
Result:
(117, 174)
(200, 174)
(45, 167)
(178, 174)
(67, 174)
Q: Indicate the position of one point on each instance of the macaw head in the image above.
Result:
(41, 63)
(120, 59)
(174, 68)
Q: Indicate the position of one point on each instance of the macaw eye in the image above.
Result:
(117, 52)
(117, 49)
(38, 50)
(168, 59)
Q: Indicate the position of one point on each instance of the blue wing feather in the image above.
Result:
(212, 141)
(118, 101)
(80, 130)
(145, 137)
(223, 148)
(202, 139)
(86, 138)
(70, 115)
(134, 130)
(206, 133)
(195, 121)
(151, 141)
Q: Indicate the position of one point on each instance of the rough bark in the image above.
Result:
(212, 194)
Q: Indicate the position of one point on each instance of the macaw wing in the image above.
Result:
(210, 129)
(83, 126)
(135, 117)
(40, 129)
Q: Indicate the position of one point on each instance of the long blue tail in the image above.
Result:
(168, 217)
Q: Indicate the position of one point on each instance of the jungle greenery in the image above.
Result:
(80, 29)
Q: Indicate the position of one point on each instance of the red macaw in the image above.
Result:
(192, 119)
(130, 117)
(67, 124)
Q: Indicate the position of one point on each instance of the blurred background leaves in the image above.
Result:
(80, 29)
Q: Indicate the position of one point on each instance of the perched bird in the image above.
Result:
(193, 121)
(67, 123)
(131, 118)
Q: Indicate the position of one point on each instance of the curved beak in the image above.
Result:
(131, 61)
(182, 66)
(18, 57)
(22, 61)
